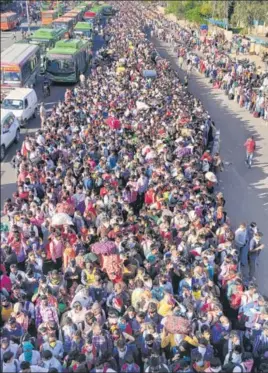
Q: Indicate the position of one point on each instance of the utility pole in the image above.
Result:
(227, 11)
(213, 8)
(28, 16)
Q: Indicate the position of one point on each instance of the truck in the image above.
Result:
(68, 60)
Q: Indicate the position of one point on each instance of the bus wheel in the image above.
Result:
(17, 137)
(2, 153)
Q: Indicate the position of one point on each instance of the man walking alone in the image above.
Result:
(250, 146)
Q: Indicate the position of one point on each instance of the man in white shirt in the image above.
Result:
(82, 80)
(40, 139)
(8, 346)
(241, 243)
(10, 364)
(49, 361)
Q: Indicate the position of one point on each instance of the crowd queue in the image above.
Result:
(119, 255)
(240, 79)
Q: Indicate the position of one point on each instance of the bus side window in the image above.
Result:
(33, 63)
(26, 70)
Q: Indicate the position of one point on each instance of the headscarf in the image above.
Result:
(28, 351)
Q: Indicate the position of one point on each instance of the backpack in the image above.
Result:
(88, 183)
(229, 367)
(39, 192)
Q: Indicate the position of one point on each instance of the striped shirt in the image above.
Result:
(260, 344)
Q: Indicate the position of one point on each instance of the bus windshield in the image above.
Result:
(11, 76)
(57, 65)
(82, 33)
(12, 104)
(62, 25)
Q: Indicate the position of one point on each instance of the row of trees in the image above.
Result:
(239, 13)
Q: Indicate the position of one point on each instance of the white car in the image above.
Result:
(10, 132)
(22, 102)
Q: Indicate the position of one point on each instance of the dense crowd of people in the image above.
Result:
(240, 79)
(119, 255)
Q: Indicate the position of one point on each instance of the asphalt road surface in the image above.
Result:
(8, 37)
(245, 190)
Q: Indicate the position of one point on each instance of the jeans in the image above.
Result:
(249, 158)
(247, 104)
(243, 254)
(253, 262)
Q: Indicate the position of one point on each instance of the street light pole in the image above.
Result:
(227, 11)
(28, 16)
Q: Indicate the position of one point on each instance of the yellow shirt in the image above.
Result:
(136, 297)
(168, 340)
(6, 312)
(90, 276)
(164, 308)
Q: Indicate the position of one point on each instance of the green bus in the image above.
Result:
(68, 60)
(61, 9)
(82, 8)
(83, 30)
(46, 38)
(96, 9)
(107, 10)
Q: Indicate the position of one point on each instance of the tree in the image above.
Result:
(206, 9)
(219, 9)
(194, 15)
(245, 12)
(176, 8)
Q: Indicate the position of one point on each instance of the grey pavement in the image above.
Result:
(245, 191)
(7, 37)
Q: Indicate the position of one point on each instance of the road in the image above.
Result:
(7, 37)
(246, 191)
(8, 174)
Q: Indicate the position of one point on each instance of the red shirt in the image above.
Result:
(5, 283)
(250, 145)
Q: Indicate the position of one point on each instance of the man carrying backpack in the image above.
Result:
(233, 358)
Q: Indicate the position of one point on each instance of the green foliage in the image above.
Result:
(206, 9)
(174, 7)
(192, 10)
(194, 15)
(245, 12)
